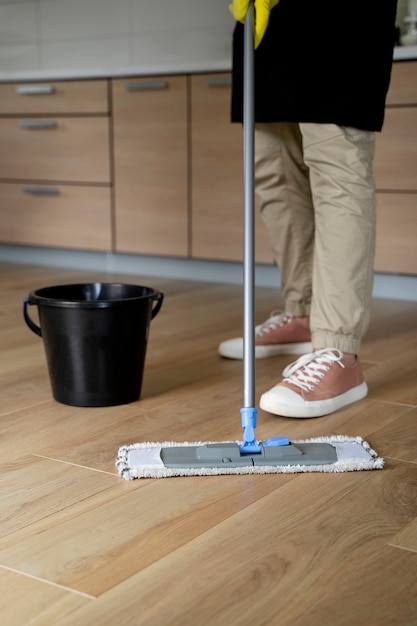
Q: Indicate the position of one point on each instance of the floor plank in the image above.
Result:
(398, 438)
(407, 537)
(384, 603)
(30, 602)
(32, 488)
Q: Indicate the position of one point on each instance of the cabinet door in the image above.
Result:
(66, 149)
(403, 87)
(67, 216)
(396, 245)
(150, 153)
(66, 97)
(396, 150)
(396, 175)
(217, 175)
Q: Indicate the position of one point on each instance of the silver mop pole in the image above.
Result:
(249, 411)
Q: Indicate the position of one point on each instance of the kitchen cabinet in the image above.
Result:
(396, 175)
(55, 184)
(150, 118)
(217, 175)
(152, 165)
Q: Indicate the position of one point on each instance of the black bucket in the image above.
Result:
(95, 337)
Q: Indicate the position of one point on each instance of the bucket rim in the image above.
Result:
(44, 299)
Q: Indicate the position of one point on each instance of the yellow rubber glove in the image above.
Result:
(239, 8)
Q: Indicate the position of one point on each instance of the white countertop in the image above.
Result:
(154, 69)
(403, 53)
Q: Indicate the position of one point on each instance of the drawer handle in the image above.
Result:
(219, 82)
(37, 124)
(41, 191)
(34, 90)
(152, 85)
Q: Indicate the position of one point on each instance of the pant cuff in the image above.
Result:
(343, 343)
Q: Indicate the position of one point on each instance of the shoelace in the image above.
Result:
(310, 368)
(277, 318)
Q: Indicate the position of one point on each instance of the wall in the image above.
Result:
(103, 34)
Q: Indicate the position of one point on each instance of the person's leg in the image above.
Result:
(340, 163)
(283, 187)
(282, 184)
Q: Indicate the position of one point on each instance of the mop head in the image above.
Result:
(323, 454)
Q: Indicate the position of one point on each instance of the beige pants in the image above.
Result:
(317, 194)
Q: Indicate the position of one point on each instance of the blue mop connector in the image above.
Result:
(276, 441)
(250, 445)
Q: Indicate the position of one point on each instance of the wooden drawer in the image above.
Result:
(151, 165)
(217, 175)
(395, 163)
(396, 249)
(62, 149)
(65, 216)
(403, 87)
(54, 97)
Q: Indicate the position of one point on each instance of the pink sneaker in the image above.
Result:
(280, 334)
(316, 384)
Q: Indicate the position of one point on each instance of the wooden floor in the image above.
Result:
(80, 546)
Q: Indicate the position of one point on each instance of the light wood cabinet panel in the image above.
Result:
(396, 175)
(396, 249)
(61, 148)
(52, 134)
(403, 87)
(89, 96)
(151, 165)
(71, 216)
(395, 163)
(217, 175)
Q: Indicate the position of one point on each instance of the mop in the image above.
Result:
(277, 454)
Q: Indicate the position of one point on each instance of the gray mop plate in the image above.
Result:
(229, 455)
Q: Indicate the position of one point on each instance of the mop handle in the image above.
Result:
(249, 213)
(248, 412)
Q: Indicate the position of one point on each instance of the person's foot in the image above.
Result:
(316, 384)
(280, 334)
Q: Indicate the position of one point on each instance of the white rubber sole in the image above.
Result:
(287, 403)
(233, 349)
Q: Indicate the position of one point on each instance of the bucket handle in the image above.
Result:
(159, 299)
(37, 330)
(33, 327)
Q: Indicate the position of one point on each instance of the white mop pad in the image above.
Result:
(143, 460)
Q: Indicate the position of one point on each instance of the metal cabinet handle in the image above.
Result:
(151, 85)
(219, 82)
(34, 90)
(37, 124)
(41, 191)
